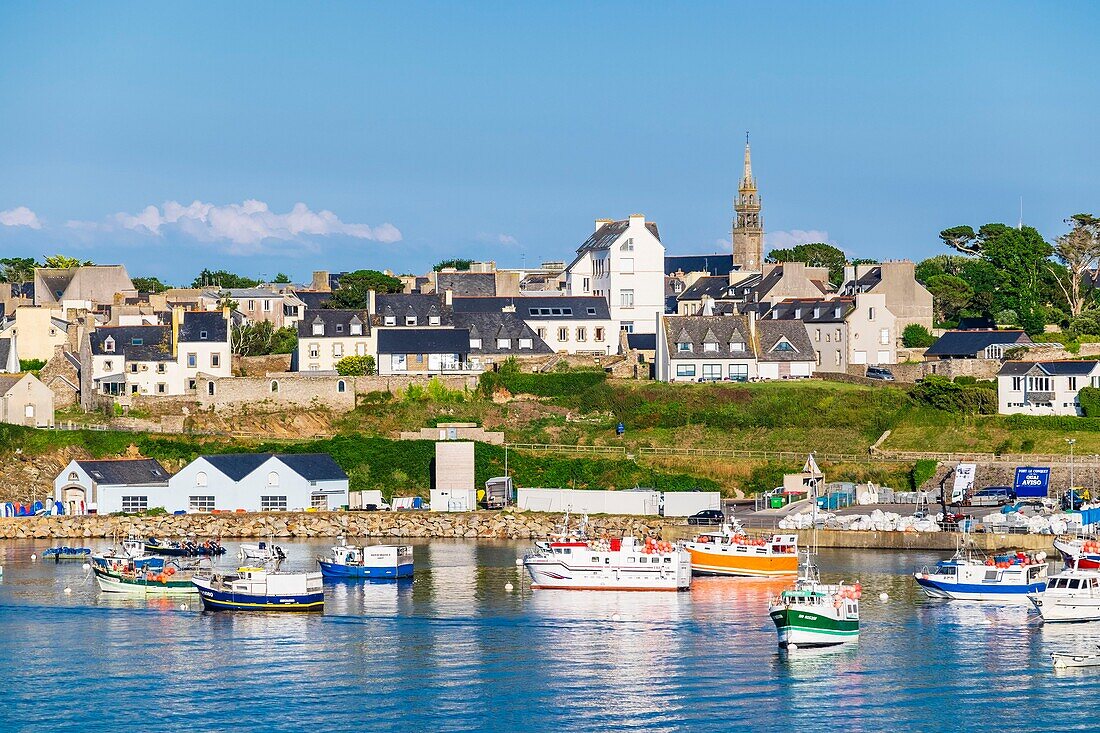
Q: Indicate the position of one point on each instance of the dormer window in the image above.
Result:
(504, 343)
(318, 328)
(390, 320)
(784, 345)
(710, 346)
(356, 329)
(109, 345)
(475, 343)
(798, 314)
(684, 346)
(410, 320)
(526, 344)
(433, 320)
(737, 345)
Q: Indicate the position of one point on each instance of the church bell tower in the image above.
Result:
(748, 226)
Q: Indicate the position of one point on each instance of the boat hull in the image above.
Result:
(706, 561)
(336, 570)
(806, 627)
(1015, 593)
(550, 575)
(1074, 556)
(1066, 609)
(218, 600)
(1075, 660)
(114, 583)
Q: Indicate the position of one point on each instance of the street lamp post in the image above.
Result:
(1071, 441)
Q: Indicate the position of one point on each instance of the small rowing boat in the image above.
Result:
(67, 553)
(1063, 661)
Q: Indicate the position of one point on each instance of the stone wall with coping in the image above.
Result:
(293, 389)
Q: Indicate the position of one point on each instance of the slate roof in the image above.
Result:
(1069, 368)
(255, 293)
(971, 343)
(976, 323)
(769, 281)
(195, 323)
(771, 333)
(810, 310)
(719, 263)
(314, 299)
(423, 341)
(7, 381)
(534, 307)
(5, 351)
(337, 322)
(237, 465)
(467, 283)
(402, 305)
(867, 282)
(126, 472)
(155, 342)
(642, 341)
(314, 466)
(698, 330)
(606, 235)
(490, 326)
(715, 287)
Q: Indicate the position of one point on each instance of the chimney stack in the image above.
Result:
(600, 223)
(320, 281)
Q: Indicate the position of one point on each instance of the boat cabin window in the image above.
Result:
(607, 561)
(668, 559)
(950, 570)
(1074, 583)
(630, 559)
(990, 574)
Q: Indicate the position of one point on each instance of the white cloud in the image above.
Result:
(506, 239)
(20, 216)
(246, 225)
(794, 237)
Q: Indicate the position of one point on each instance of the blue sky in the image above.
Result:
(411, 132)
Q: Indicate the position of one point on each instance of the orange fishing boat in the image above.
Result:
(730, 551)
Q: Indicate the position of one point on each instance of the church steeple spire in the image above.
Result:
(748, 226)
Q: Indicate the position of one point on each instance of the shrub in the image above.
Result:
(768, 476)
(1089, 397)
(923, 470)
(556, 384)
(355, 366)
(967, 399)
(916, 336)
(31, 365)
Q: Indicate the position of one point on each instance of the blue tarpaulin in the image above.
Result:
(1090, 516)
(1031, 481)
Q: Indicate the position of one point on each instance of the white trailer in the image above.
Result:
(686, 503)
(586, 501)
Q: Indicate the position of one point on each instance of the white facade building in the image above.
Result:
(623, 262)
(1044, 387)
(258, 482)
(326, 336)
(126, 485)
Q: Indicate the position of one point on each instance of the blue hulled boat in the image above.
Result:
(255, 589)
(67, 553)
(383, 562)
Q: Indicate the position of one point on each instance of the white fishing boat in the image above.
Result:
(570, 561)
(262, 552)
(1071, 595)
(256, 589)
(1062, 660)
(814, 614)
(1006, 578)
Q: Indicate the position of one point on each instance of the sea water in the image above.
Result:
(454, 650)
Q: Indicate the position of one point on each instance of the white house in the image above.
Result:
(623, 262)
(125, 485)
(258, 482)
(566, 324)
(1044, 387)
(325, 336)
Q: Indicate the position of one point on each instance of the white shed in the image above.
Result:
(258, 482)
(123, 485)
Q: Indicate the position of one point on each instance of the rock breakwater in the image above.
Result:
(485, 525)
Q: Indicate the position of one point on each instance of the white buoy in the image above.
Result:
(183, 606)
(884, 596)
(68, 591)
(85, 566)
(33, 557)
(508, 587)
(519, 561)
(615, 617)
(792, 647)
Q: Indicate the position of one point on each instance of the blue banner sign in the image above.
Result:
(1032, 481)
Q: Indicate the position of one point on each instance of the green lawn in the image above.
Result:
(926, 429)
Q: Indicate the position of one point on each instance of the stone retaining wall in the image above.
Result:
(487, 525)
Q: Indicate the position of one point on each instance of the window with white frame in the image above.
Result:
(318, 329)
(884, 336)
(215, 360)
(272, 503)
(201, 478)
(685, 370)
(273, 478)
(314, 351)
(1039, 384)
(737, 345)
(339, 328)
(504, 343)
(319, 501)
(739, 372)
(475, 343)
(626, 298)
(627, 326)
(337, 350)
(712, 371)
(1017, 384)
(135, 503)
(582, 333)
(356, 329)
(251, 305)
(109, 345)
(267, 306)
(563, 334)
(994, 351)
(399, 362)
(410, 320)
(200, 503)
(390, 320)
(683, 346)
(526, 344)
(433, 320)
(711, 346)
(1071, 383)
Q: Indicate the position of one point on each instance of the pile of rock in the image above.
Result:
(876, 521)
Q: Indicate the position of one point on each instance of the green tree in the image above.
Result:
(64, 262)
(222, 279)
(355, 366)
(916, 336)
(31, 365)
(282, 279)
(816, 254)
(455, 263)
(17, 269)
(149, 285)
(262, 338)
(354, 286)
(1089, 399)
(1078, 251)
(950, 294)
(284, 340)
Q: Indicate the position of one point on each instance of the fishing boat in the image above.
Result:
(1071, 595)
(129, 551)
(812, 613)
(570, 561)
(1082, 553)
(1062, 660)
(967, 577)
(67, 553)
(731, 551)
(256, 589)
(186, 548)
(372, 561)
(132, 579)
(261, 552)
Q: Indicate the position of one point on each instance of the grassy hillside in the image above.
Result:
(925, 429)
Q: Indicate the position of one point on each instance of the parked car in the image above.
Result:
(993, 496)
(707, 516)
(880, 373)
